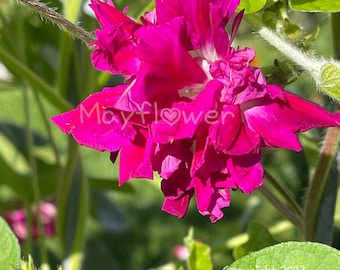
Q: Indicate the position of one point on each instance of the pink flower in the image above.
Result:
(181, 252)
(192, 107)
(17, 221)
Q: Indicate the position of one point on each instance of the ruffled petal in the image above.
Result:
(92, 125)
(182, 120)
(115, 52)
(277, 121)
(135, 159)
(224, 131)
(210, 200)
(168, 157)
(246, 172)
(108, 15)
(221, 12)
(178, 190)
(246, 141)
(160, 78)
(179, 206)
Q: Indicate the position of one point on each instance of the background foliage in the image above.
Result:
(45, 71)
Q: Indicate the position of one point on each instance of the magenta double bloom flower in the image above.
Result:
(191, 108)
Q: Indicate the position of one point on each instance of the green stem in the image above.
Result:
(73, 172)
(64, 188)
(64, 64)
(54, 17)
(318, 182)
(35, 178)
(77, 254)
(21, 70)
(29, 224)
(335, 20)
(322, 180)
(48, 129)
(282, 208)
(71, 11)
(283, 192)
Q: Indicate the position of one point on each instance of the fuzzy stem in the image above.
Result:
(54, 17)
(308, 62)
(318, 182)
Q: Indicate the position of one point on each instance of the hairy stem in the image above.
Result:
(54, 17)
(318, 182)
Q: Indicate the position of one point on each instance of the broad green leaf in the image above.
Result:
(251, 6)
(199, 258)
(315, 5)
(11, 154)
(259, 237)
(330, 80)
(9, 248)
(291, 255)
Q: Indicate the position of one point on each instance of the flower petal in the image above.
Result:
(210, 200)
(115, 52)
(89, 125)
(277, 121)
(177, 207)
(160, 78)
(246, 141)
(168, 157)
(135, 159)
(246, 171)
(178, 190)
(108, 15)
(223, 133)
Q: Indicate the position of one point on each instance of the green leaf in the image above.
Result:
(291, 255)
(259, 237)
(330, 80)
(199, 258)
(9, 246)
(251, 6)
(315, 6)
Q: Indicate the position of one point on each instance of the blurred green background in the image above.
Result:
(124, 227)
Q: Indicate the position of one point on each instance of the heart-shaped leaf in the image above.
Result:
(291, 255)
(9, 248)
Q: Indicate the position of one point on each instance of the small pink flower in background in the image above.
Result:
(17, 221)
(181, 252)
(192, 107)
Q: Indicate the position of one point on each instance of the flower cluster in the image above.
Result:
(191, 108)
(17, 220)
